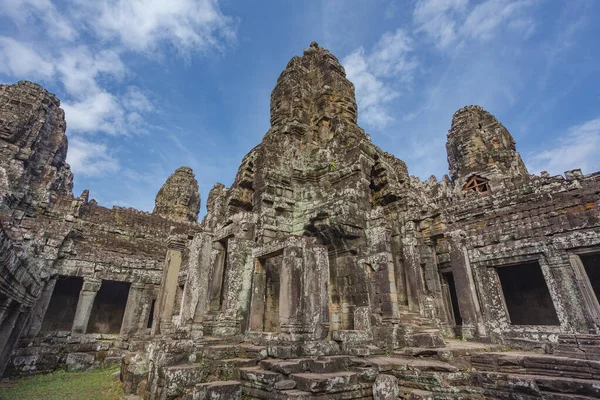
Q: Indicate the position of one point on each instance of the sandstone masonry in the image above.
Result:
(324, 272)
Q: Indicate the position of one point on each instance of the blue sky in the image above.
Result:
(148, 86)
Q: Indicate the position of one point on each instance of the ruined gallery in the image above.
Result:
(325, 271)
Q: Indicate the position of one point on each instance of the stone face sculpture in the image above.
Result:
(324, 271)
(178, 198)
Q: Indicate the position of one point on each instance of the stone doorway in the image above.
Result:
(449, 290)
(109, 308)
(266, 293)
(63, 304)
(526, 295)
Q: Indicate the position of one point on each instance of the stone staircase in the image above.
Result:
(457, 370)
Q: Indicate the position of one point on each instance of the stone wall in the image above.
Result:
(323, 255)
(48, 235)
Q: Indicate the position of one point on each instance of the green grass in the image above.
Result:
(61, 385)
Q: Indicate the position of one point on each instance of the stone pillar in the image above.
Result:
(4, 305)
(257, 302)
(163, 311)
(290, 291)
(84, 305)
(11, 313)
(41, 306)
(132, 308)
(465, 289)
(216, 287)
(414, 280)
(20, 317)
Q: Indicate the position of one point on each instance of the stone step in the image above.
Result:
(177, 378)
(259, 377)
(395, 363)
(228, 351)
(361, 393)
(226, 370)
(547, 387)
(286, 367)
(536, 364)
(220, 352)
(220, 390)
(429, 338)
(330, 382)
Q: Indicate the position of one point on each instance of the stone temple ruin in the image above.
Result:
(324, 272)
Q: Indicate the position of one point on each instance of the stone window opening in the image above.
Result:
(63, 304)
(477, 184)
(526, 295)
(109, 307)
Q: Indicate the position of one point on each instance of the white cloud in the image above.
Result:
(18, 59)
(579, 148)
(91, 158)
(100, 112)
(80, 70)
(439, 19)
(377, 75)
(486, 18)
(28, 13)
(142, 25)
(448, 22)
(135, 100)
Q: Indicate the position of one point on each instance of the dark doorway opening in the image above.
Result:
(453, 300)
(109, 307)
(526, 295)
(591, 263)
(151, 314)
(217, 288)
(63, 304)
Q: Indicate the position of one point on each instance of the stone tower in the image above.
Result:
(481, 151)
(33, 146)
(178, 199)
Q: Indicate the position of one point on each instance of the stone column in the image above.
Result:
(290, 291)
(4, 305)
(39, 311)
(84, 305)
(11, 313)
(163, 311)
(414, 281)
(257, 301)
(19, 320)
(465, 289)
(132, 308)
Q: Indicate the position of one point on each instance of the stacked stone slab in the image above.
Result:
(325, 271)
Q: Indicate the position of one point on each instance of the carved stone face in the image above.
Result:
(313, 89)
(178, 199)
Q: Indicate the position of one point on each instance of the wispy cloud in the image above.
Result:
(18, 59)
(371, 73)
(91, 159)
(579, 148)
(440, 19)
(187, 25)
(449, 22)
